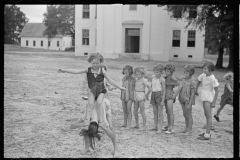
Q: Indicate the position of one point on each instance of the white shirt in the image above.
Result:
(156, 84)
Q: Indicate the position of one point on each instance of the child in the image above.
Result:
(140, 96)
(158, 96)
(95, 78)
(127, 97)
(170, 83)
(208, 95)
(227, 97)
(187, 96)
(92, 131)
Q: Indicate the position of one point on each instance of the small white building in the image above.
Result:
(136, 30)
(32, 36)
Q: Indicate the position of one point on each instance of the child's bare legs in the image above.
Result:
(129, 113)
(189, 119)
(142, 111)
(160, 114)
(208, 115)
(87, 145)
(168, 118)
(112, 135)
(89, 108)
(155, 116)
(136, 106)
(185, 118)
(100, 109)
(124, 105)
(170, 114)
(219, 110)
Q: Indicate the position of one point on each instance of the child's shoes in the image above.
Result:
(217, 118)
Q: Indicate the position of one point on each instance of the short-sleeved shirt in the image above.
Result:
(157, 84)
(185, 93)
(141, 84)
(129, 84)
(208, 82)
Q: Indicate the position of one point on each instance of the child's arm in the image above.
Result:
(164, 92)
(229, 88)
(112, 82)
(73, 71)
(198, 84)
(149, 90)
(178, 90)
(192, 97)
(215, 97)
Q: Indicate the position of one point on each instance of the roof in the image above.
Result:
(34, 30)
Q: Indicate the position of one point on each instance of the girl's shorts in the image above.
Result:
(139, 96)
(156, 98)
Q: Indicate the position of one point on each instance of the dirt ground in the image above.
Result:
(40, 104)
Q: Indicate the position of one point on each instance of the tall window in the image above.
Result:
(177, 14)
(34, 43)
(85, 11)
(85, 37)
(49, 43)
(176, 38)
(57, 43)
(191, 38)
(41, 43)
(132, 7)
(26, 42)
(193, 12)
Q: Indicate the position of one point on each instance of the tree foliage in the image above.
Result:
(216, 19)
(60, 19)
(14, 21)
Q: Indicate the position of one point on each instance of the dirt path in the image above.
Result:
(40, 104)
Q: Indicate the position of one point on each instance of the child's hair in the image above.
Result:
(141, 69)
(209, 65)
(190, 69)
(91, 132)
(170, 67)
(129, 68)
(228, 76)
(95, 56)
(159, 68)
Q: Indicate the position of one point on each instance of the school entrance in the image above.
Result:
(132, 40)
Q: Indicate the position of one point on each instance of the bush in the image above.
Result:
(70, 48)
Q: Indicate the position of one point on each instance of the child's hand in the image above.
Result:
(122, 89)
(146, 97)
(188, 106)
(173, 96)
(162, 103)
(213, 104)
(61, 71)
(196, 93)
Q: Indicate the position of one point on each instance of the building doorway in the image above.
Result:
(132, 40)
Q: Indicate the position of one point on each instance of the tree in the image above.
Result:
(14, 21)
(60, 19)
(216, 19)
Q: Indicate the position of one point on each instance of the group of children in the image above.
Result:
(98, 110)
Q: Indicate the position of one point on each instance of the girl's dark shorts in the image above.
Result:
(156, 98)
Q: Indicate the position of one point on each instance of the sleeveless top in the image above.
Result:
(96, 85)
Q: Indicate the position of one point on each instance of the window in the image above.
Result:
(85, 11)
(85, 37)
(193, 12)
(41, 43)
(191, 38)
(177, 14)
(176, 38)
(26, 42)
(49, 43)
(132, 7)
(34, 43)
(57, 43)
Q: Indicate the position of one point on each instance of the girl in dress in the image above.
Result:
(140, 96)
(227, 97)
(186, 96)
(127, 97)
(208, 95)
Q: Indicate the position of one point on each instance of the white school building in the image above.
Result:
(32, 36)
(146, 32)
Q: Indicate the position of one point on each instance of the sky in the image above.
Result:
(33, 12)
